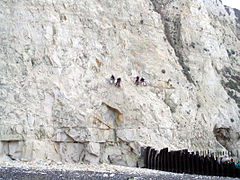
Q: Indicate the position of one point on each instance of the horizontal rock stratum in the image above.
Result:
(57, 56)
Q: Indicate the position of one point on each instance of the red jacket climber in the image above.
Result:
(118, 82)
(137, 80)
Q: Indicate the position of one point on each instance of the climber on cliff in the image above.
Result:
(118, 82)
(237, 164)
(112, 79)
(137, 81)
(142, 80)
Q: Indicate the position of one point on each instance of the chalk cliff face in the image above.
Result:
(57, 56)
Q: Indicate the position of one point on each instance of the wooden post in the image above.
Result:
(197, 161)
(166, 160)
(171, 161)
(189, 163)
(146, 152)
(192, 163)
(158, 161)
(217, 167)
(177, 161)
(162, 159)
(201, 168)
(180, 162)
(184, 159)
(165, 151)
(150, 158)
(154, 152)
(206, 165)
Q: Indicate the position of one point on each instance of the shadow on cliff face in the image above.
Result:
(230, 82)
(117, 113)
(224, 136)
(234, 79)
(237, 14)
(172, 30)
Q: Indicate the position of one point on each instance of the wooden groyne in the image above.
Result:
(183, 161)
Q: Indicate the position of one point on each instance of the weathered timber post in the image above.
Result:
(217, 167)
(185, 163)
(177, 161)
(164, 159)
(221, 168)
(155, 159)
(225, 168)
(212, 168)
(188, 163)
(181, 162)
(201, 168)
(197, 163)
(208, 168)
(192, 163)
(158, 161)
(171, 161)
(205, 165)
(147, 149)
(161, 160)
(165, 164)
(150, 158)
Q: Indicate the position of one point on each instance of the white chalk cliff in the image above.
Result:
(56, 59)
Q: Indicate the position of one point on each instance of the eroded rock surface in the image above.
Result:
(56, 101)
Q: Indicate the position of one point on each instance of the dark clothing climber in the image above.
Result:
(137, 80)
(112, 80)
(142, 80)
(118, 82)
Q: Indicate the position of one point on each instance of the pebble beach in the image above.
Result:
(48, 170)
